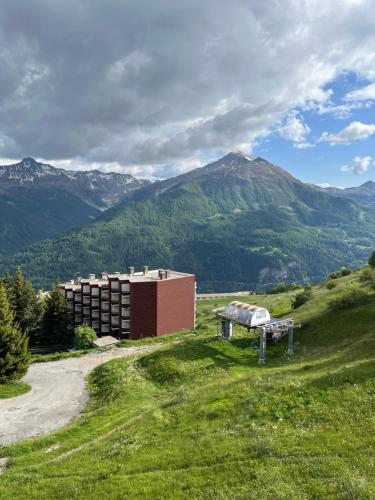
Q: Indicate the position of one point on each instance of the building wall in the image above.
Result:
(143, 310)
(175, 305)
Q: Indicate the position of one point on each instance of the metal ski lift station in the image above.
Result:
(259, 319)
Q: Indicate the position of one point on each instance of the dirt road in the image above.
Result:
(58, 394)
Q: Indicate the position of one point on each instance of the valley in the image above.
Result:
(238, 223)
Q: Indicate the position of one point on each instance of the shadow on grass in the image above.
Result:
(325, 344)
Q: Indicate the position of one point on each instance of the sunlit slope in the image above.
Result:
(201, 418)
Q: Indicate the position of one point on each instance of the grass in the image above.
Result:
(201, 418)
(13, 389)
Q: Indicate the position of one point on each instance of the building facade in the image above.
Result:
(133, 305)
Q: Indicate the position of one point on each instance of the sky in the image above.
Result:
(156, 88)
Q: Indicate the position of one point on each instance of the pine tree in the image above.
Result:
(14, 356)
(27, 308)
(371, 260)
(6, 313)
(55, 320)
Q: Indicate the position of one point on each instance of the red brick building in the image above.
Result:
(133, 305)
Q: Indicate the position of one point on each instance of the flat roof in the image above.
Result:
(152, 275)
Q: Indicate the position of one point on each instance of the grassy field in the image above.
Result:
(12, 389)
(201, 418)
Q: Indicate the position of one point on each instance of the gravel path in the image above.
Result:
(58, 394)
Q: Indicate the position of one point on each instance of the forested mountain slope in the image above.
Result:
(38, 201)
(236, 223)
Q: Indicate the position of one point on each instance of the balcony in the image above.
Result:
(86, 311)
(95, 292)
(86, 300)
(125, 324)
(77, 297)
(125, 288)
(105, 318)
(69, 295)
(115, 286)
(115, 321)
(115, 309)
(95, 303)
(125, 300)
(95, 325)
(125, 312)
(105, 296)
(115, 297)
(105, 328)
(95, 314)
(105, 307)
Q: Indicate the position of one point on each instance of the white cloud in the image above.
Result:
(186, 80)
(360, 165)
(303, 145)
(353, 132)
(294, 129)
(363, 94)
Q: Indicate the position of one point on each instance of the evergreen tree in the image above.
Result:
(55, 320)
(14, 356)
(371, 260)
(27, 308)
(6, 313)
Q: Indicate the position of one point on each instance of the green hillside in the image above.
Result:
(236, 223)
(32, 215)
(201, 419)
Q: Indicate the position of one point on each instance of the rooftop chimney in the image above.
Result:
(145, 270)
(91, 276)
(104, 276)
(162, 274)
(131, 270)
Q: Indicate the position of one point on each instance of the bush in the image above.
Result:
(303, 297)
(284, 287)
(334, 275)
(367, 277)
(345, 271)
(353, 296)
(84, 336)
(330, 285)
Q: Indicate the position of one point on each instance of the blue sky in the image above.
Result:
(325, 162)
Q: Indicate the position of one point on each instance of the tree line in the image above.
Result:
(28, 320)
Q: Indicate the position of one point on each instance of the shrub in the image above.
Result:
(367, 277)
(84, 336)
(334, 275)
(303, 297)
(330, 285)
(353, 296)
(345, 271)
(284, 287)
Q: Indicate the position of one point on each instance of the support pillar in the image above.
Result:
(226, 329)
(290, 340)
(262, 346)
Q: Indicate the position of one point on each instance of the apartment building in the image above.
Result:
(132, 305)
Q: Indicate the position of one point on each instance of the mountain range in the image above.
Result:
(39, 201)
(363, 194)
(237, 223)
